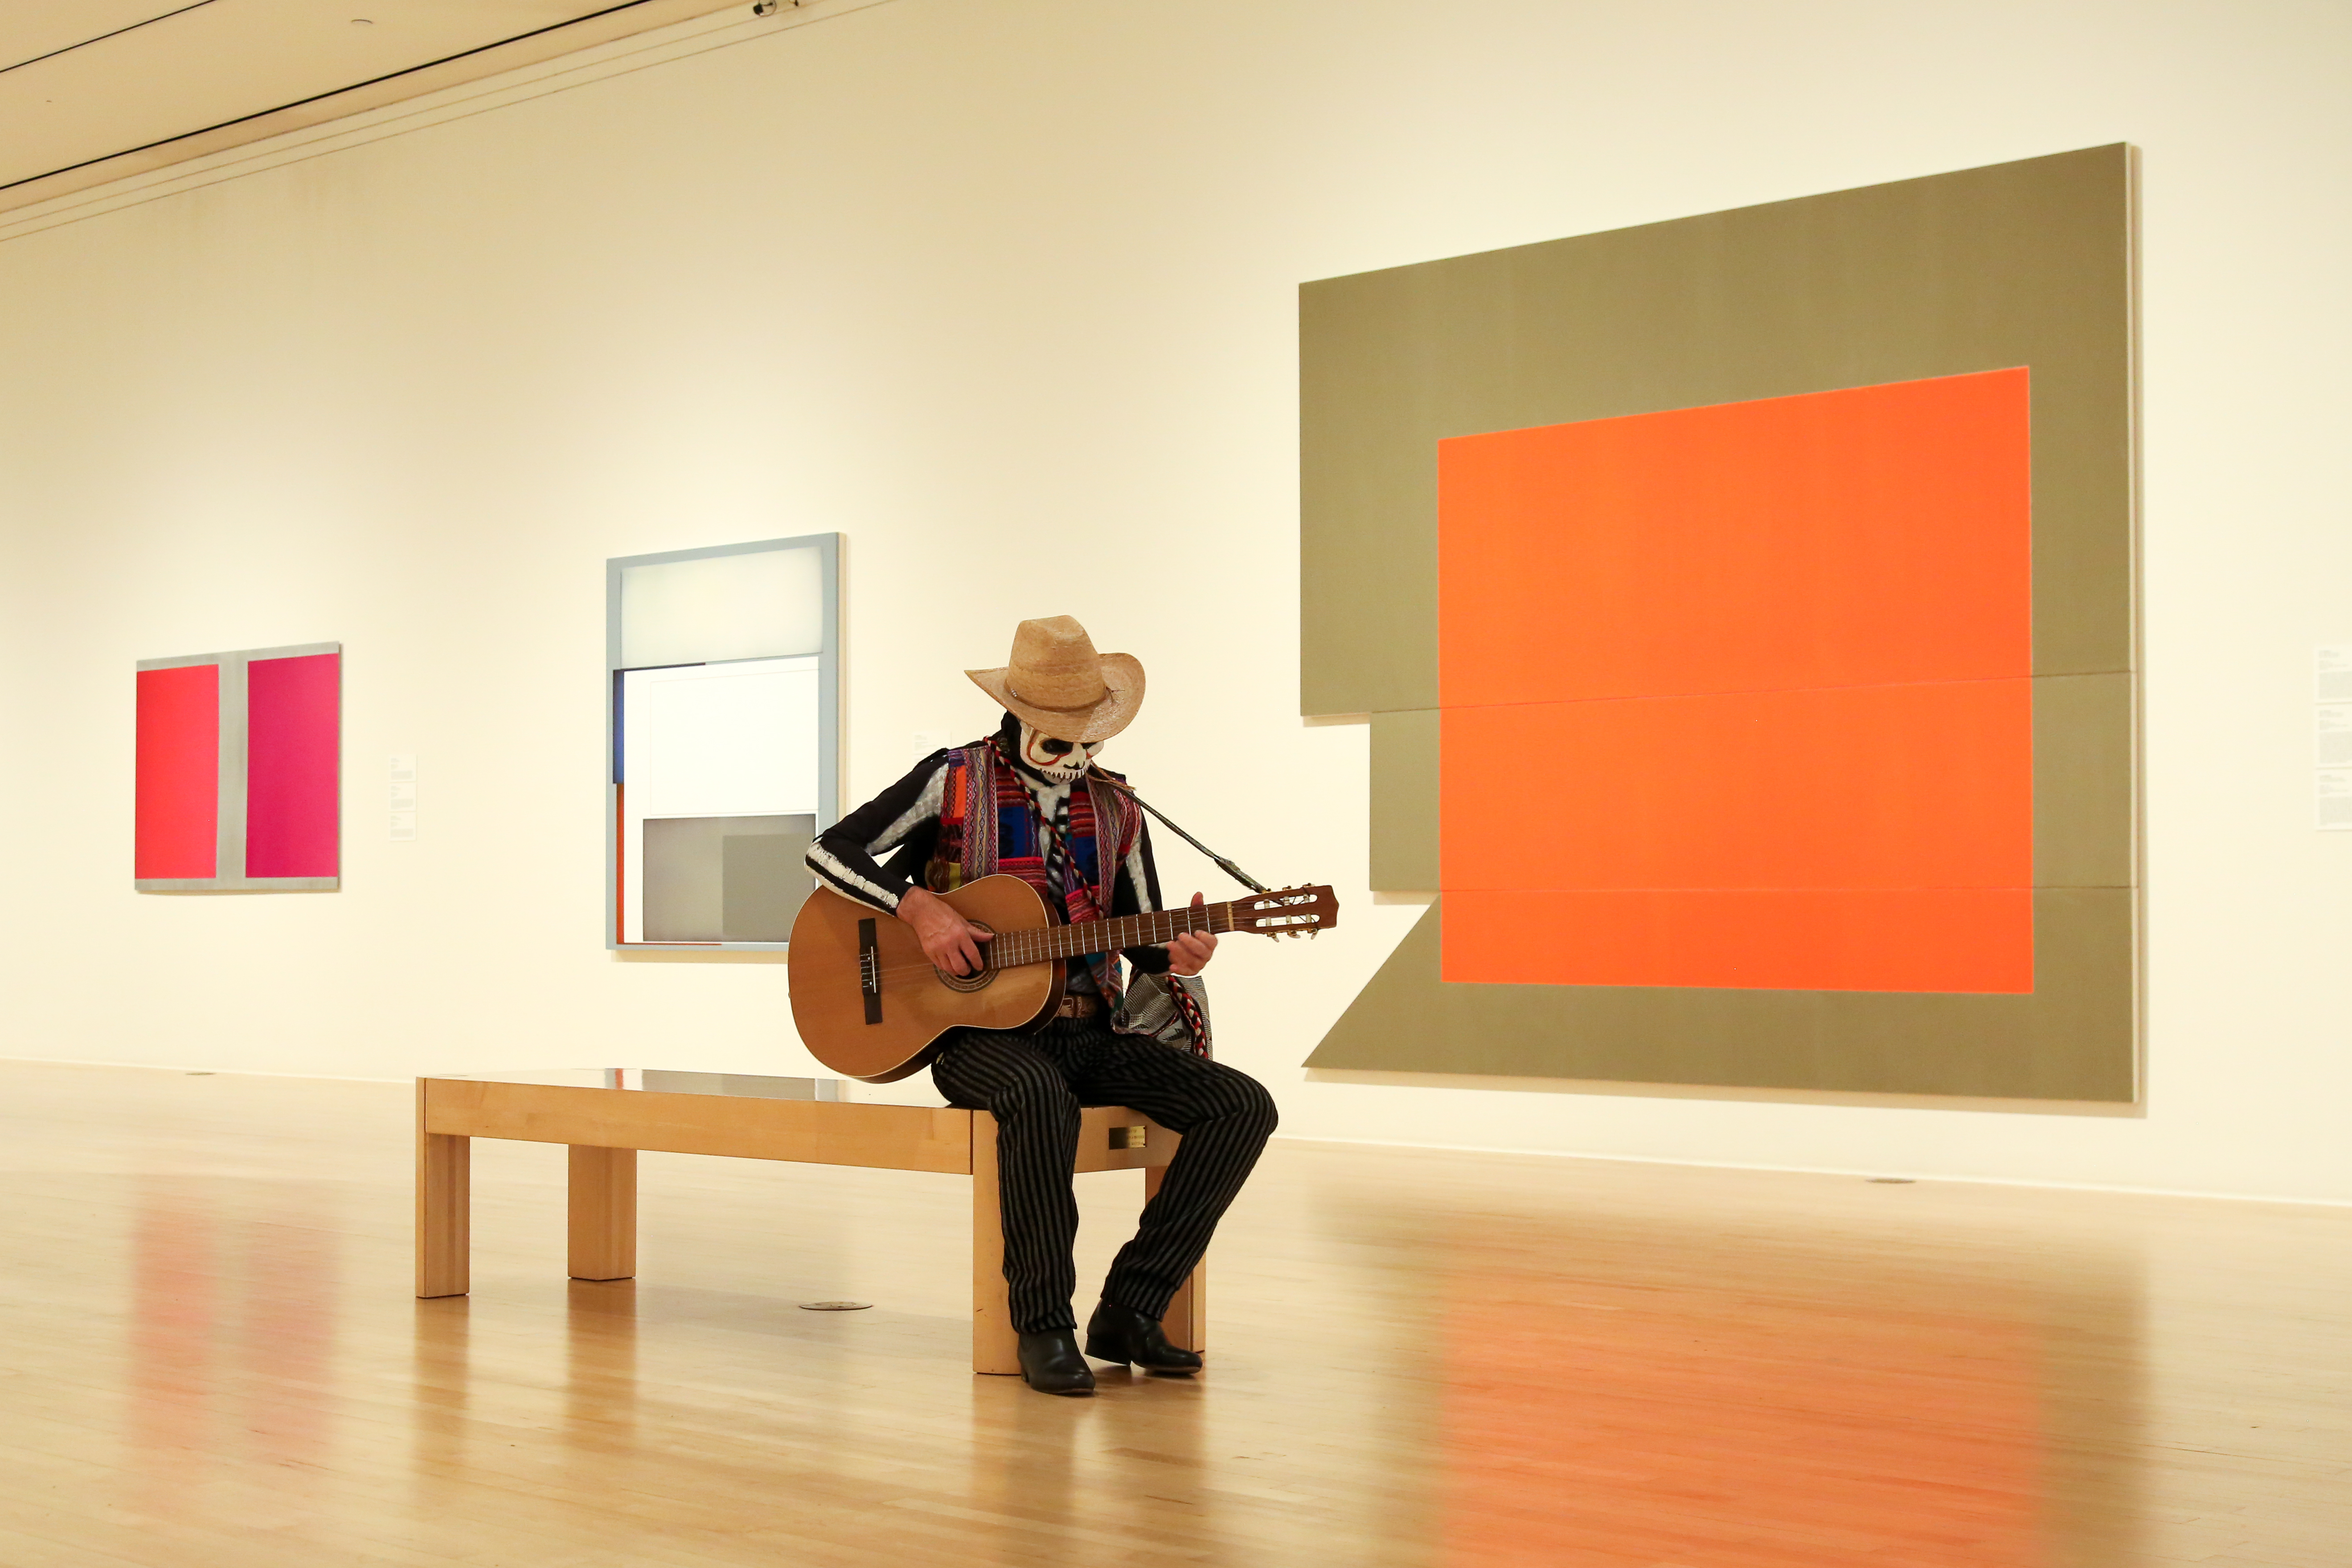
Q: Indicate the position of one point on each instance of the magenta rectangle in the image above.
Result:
(293, 766)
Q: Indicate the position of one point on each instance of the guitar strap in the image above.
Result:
(1195, 1024)
(1227, 866)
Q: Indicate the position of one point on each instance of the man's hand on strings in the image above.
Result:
(951, 941)
(1191, 951)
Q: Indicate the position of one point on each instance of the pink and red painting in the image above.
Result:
(239, 772)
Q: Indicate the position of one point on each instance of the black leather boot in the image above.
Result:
(1122, 1333)
(1050, 1363)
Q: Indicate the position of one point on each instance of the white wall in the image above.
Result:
(1005, 292)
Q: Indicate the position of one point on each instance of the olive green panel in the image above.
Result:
(2070, 1039)
(2083, 789)
(2019, 264)
(1404, 802)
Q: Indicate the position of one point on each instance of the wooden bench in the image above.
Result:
(607, 1114)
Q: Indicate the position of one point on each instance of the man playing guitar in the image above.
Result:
(1028, 802)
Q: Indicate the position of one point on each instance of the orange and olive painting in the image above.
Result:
(1743, 608)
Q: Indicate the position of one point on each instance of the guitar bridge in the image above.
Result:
(870, 971)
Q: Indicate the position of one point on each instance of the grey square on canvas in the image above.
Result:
(763, 881)
(697, 889)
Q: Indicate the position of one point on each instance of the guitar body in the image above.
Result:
(869, 1006)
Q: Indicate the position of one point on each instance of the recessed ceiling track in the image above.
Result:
(20, 87)
(111, 33)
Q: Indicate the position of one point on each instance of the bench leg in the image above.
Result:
(444, 1169)
(604, 1213)
(1186, 1322)
(995, 1345)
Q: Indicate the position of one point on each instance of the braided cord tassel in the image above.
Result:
(1195, 1024)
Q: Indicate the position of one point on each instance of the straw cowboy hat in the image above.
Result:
(1058, 683)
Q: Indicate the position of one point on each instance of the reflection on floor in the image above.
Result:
(209, 1357)
(1762, 1408)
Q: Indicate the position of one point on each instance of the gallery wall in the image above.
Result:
(1006, 294)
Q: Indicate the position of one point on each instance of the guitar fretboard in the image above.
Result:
(1042, 944)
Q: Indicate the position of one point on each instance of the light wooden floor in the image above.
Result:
(209, 1355)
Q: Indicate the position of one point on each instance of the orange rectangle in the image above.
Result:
(1883, 786)
(1871, 534)
(1931, 938)
(1741, 695)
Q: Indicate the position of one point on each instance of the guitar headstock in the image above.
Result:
(1288, 912)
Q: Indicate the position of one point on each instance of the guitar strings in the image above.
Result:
(885, 971)
(1207, 914)
(1209, 928)
(990, 948)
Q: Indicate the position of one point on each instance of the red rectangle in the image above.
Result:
(177, 830)
(293, 766)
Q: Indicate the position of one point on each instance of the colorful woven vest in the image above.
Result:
(989, 826)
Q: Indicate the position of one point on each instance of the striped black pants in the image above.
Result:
(1034, 1084)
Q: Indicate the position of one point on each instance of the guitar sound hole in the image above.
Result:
(969, 981)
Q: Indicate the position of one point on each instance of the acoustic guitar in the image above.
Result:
(869, 1006)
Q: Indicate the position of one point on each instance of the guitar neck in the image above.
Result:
(1043, 943)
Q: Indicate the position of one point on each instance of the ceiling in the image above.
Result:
(94, 89)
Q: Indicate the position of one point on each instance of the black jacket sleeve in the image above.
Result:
(901, 822)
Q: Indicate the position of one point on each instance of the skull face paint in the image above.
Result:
(1055, 761)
